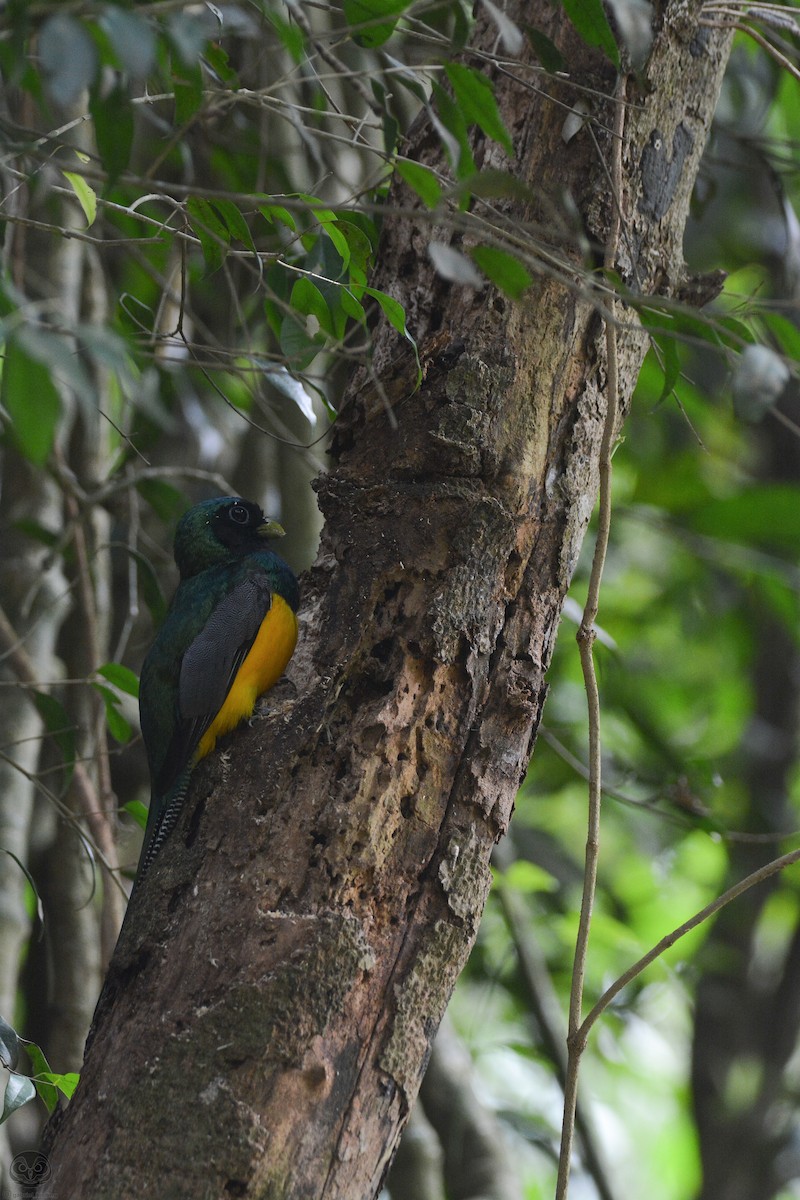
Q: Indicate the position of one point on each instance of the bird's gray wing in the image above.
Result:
(209, 667)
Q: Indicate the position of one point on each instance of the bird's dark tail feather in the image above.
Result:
(165, 825)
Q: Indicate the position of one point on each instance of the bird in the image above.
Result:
(227, 638)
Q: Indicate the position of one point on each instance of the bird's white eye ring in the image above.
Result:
(239, 514)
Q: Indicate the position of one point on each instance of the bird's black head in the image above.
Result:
(218, 530)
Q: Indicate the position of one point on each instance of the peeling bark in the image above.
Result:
(272, 1001)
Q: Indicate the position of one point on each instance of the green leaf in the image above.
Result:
(58, 355)
(396, 316)
(112, 115)
(65, 1083)
(504, 270)
(217, 58)
(31, 883)
(546, 51)
(234, 222)
(9, 1045)
(41, 1069)
(352, 307)
(421, 180)
(118, 727)
(785, 332)
(33, 529)
(32, 402)
(291, 35)
(67, 57)
(329, 221)
(669, 360)
(361, 236)
(86, 195)
(277, 213)
(372, 22)
(57, 723)
(122, 677)
(591, 22)
(188, 87)
(297, 345)
(452, 129)
(138, 811)
(307, 299)
(391, 133)
(211, 231)
(475, 97)
(392, 309)
(19, 1091)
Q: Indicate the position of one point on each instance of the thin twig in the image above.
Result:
(544, 1005)
(586, 636)
(770, 48)
(763, 873)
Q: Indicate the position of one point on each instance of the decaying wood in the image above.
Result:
(271, 1004)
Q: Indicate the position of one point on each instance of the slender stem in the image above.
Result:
(669, 939)
(576, 1040)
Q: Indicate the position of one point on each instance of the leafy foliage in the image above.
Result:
(231, 167)
(21, 1089)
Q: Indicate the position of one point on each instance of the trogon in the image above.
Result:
(227, 637)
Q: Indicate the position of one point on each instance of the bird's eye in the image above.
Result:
(239, 514)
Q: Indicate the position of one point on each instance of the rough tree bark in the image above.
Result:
(271, 1003)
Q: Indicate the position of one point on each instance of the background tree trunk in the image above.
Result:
(270, 1006)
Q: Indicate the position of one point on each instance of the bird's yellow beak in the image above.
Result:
(271, 529)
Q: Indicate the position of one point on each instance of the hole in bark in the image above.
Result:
(372, 737)
(318, 839)
(406, 266)
(451, 354)
(382, 650)
(406, 807)
(194, 823)
(236, 1187)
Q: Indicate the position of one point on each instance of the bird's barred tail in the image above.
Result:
(166, 822)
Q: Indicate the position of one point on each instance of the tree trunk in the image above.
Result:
(272, 1001)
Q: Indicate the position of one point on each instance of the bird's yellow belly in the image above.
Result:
(261, 670)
